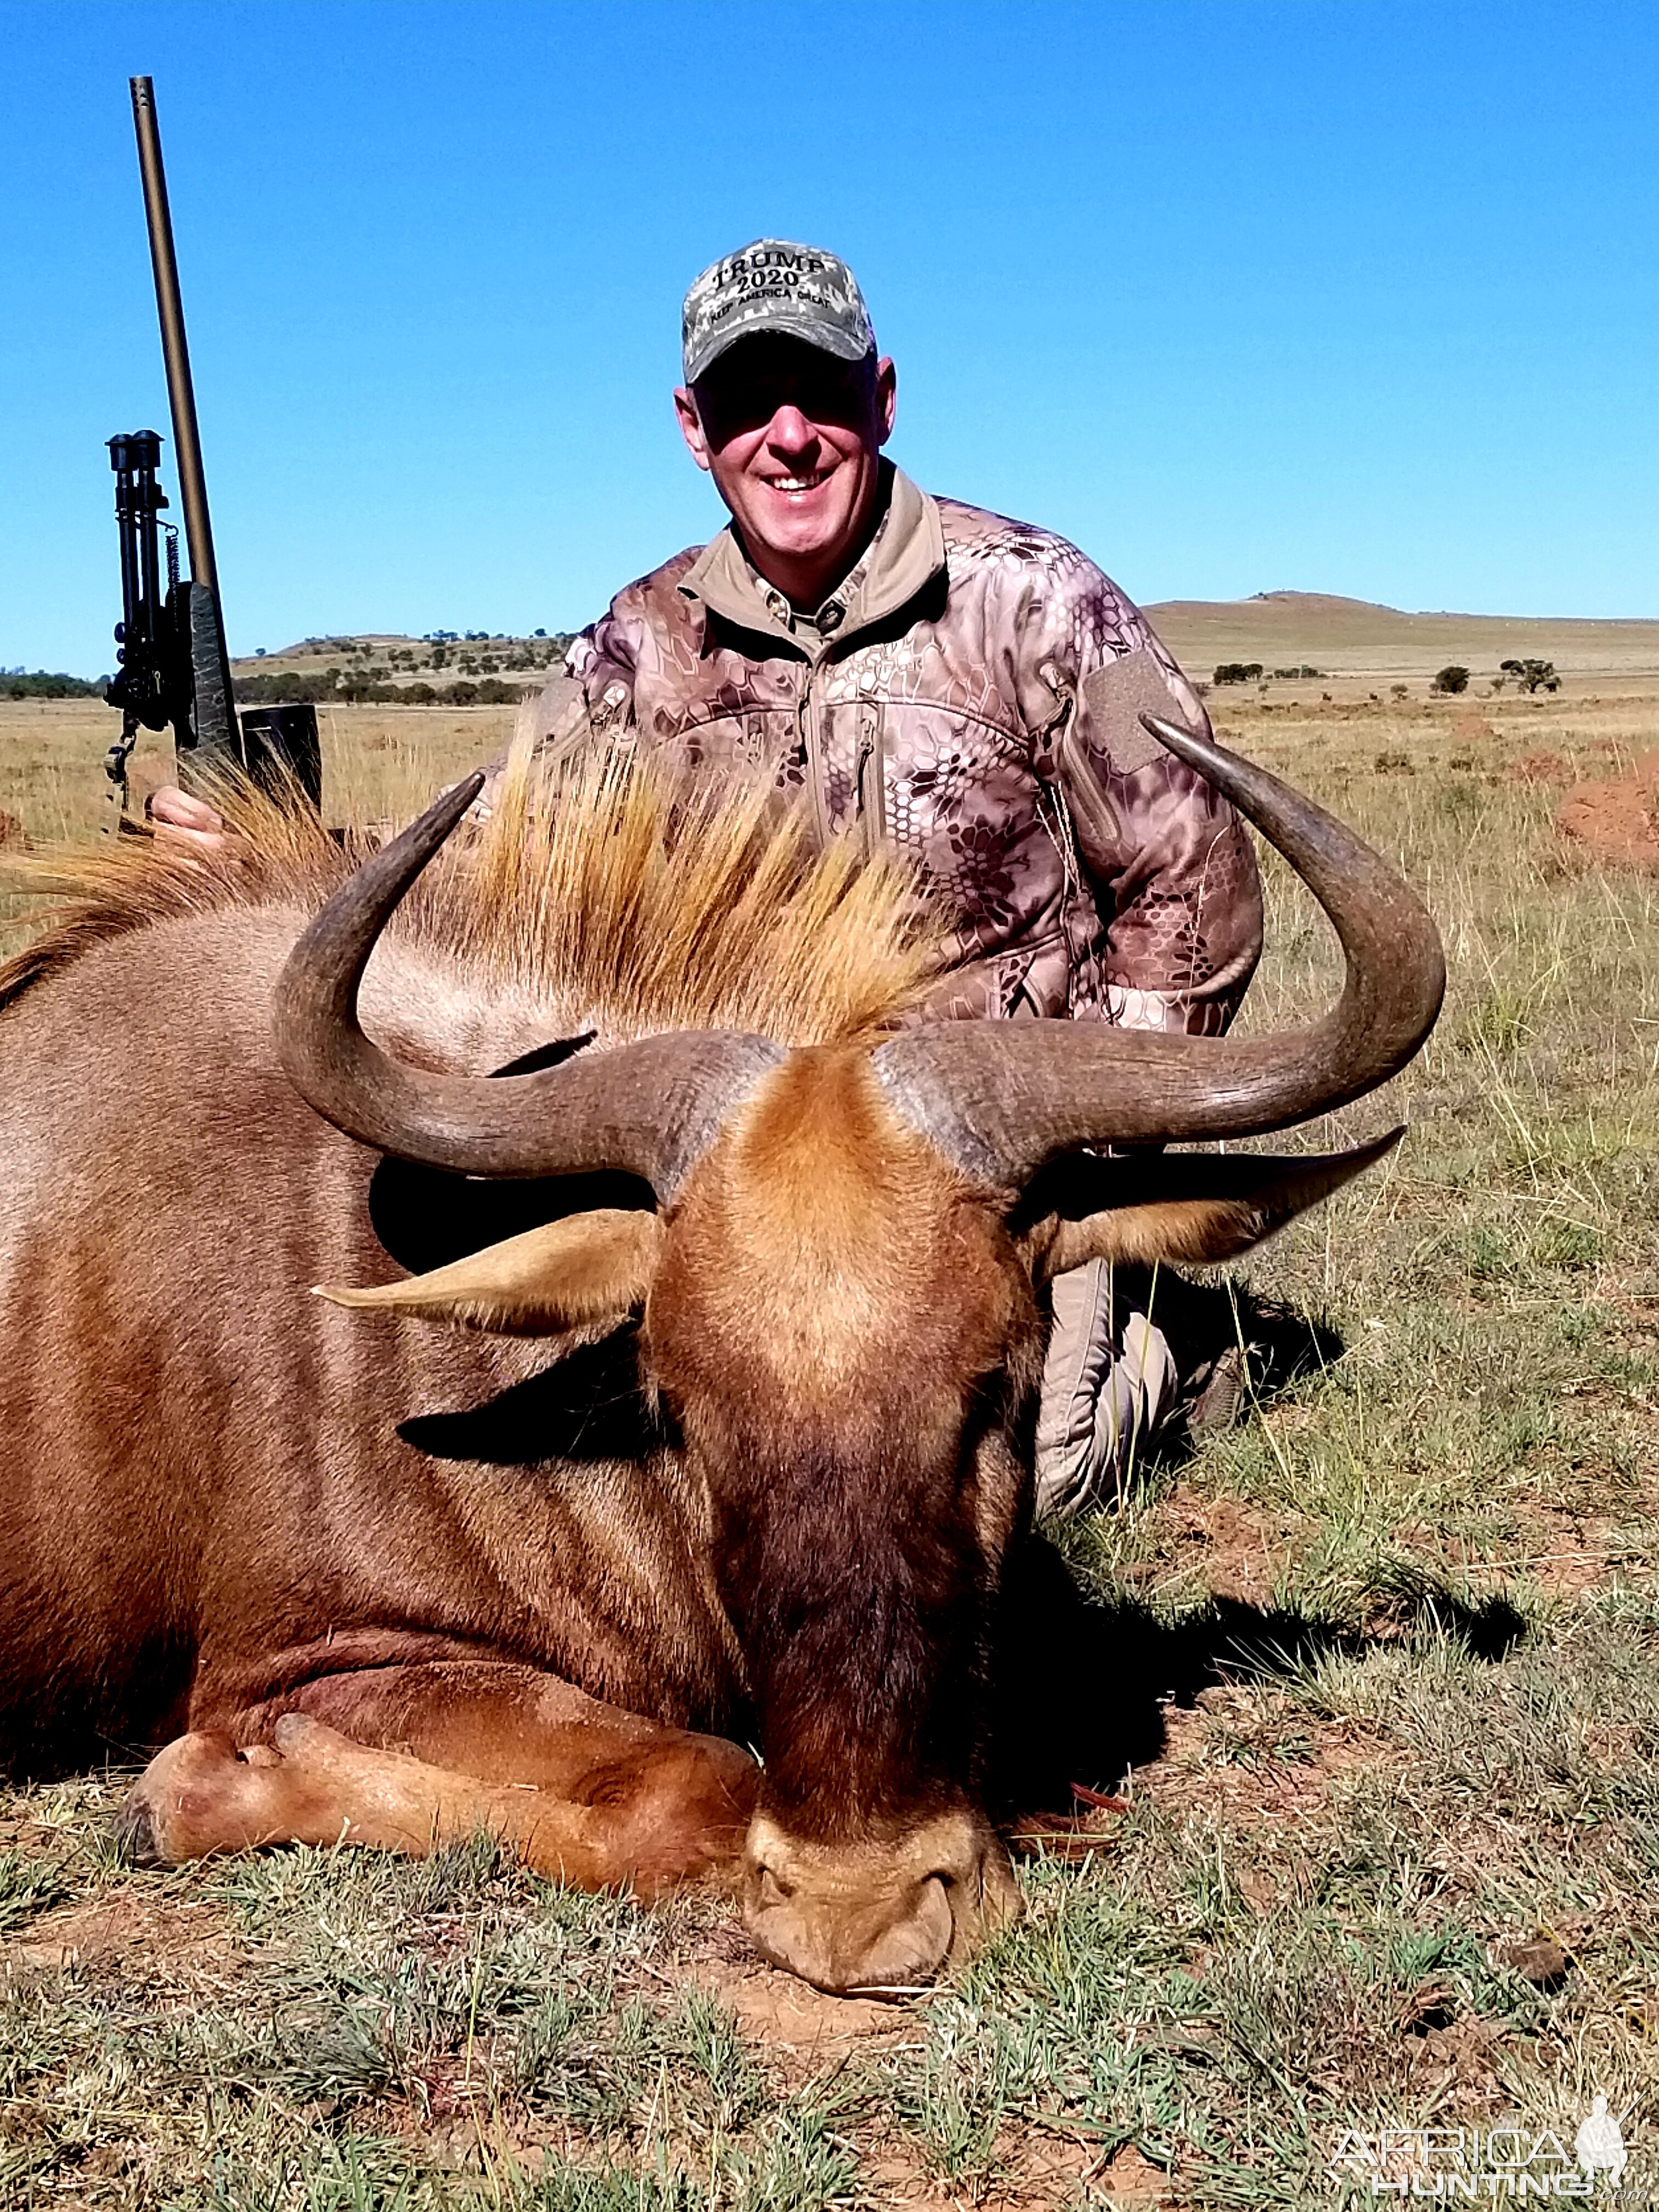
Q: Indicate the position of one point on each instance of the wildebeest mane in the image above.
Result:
(649, 907)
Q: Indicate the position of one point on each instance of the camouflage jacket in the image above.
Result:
(970, 695)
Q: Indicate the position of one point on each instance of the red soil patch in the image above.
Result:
(1134, 2179)
(146, 1932)
(1543, 767)
(1033, 2175)
(788, 2018)
(1249, 1779)
(1617, 818)
(1235, 1551)
(1570, 1551)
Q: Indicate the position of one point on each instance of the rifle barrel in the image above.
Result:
(181, 395)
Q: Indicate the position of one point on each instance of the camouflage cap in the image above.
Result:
(774, 286)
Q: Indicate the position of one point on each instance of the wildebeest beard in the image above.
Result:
(862, 1592)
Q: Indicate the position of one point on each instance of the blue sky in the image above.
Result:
(1348, 297)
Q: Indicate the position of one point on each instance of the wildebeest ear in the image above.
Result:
(1183, 1208)
(589, 1268)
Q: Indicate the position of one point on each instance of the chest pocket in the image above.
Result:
(1108, 731)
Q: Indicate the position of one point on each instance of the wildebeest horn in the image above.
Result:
(1003, 1098)
(650, 1107)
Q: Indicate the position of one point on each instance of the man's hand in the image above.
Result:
(184, 824)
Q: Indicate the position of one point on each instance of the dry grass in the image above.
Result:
(1392, 1648)
(376, 760)
(607, 899)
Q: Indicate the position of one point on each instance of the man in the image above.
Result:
(959, 688)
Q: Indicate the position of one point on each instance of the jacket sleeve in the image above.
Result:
(603, 662)
(591, 697)
(1170, 864)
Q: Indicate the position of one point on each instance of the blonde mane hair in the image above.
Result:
(594, 881)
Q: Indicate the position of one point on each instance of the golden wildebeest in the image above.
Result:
(737, 1452)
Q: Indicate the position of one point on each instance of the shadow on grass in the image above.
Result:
(1079, 1687)
(1206, 1321)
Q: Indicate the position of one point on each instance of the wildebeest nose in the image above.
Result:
(877, 1915)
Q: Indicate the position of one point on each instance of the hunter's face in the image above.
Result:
(793, 438)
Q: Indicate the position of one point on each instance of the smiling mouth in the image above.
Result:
(798, 484)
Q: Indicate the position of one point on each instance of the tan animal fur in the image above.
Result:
(364, 1578)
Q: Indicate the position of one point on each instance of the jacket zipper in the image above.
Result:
(871, 778)
(806, 724)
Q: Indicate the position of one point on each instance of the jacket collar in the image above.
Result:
(905, 555)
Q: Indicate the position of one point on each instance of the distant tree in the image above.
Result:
(1400, 690)
(37, 684)
(280, 686)
(1533, 675)
(1238, 671)
(1451, 679)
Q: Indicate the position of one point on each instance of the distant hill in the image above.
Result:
(1348, 639)
(1351, 637)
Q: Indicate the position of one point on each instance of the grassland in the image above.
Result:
(1358, 643)
(1387, 1653)
(375, 760)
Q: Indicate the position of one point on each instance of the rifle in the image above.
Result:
(173, 666)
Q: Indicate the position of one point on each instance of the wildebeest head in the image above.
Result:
(840, 1292)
